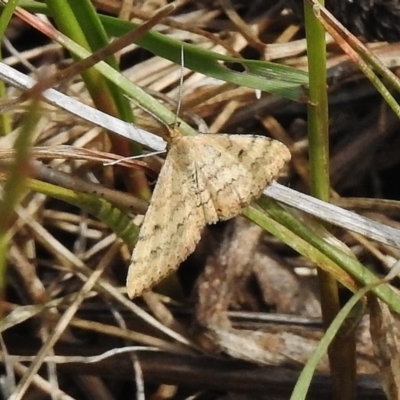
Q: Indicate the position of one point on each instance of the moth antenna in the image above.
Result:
(114, 162)
(146, 110)
(180, 92)
(172, 128)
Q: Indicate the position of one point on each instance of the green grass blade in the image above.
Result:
(304, 381)
(282, 80)
(103, 210)
(16, 183)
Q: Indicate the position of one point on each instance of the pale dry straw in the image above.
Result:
(205, 178)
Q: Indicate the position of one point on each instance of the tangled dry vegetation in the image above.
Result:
(242, 314)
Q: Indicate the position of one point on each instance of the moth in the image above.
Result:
(205, 178)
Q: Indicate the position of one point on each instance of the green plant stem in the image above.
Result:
(281, 80)
(7, 13)
(16, 184)
(275, 219)
(363, 57)
(113, 217)
(342, 350)
(78, 20)
(304, 381)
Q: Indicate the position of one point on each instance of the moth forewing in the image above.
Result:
(205, 178)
